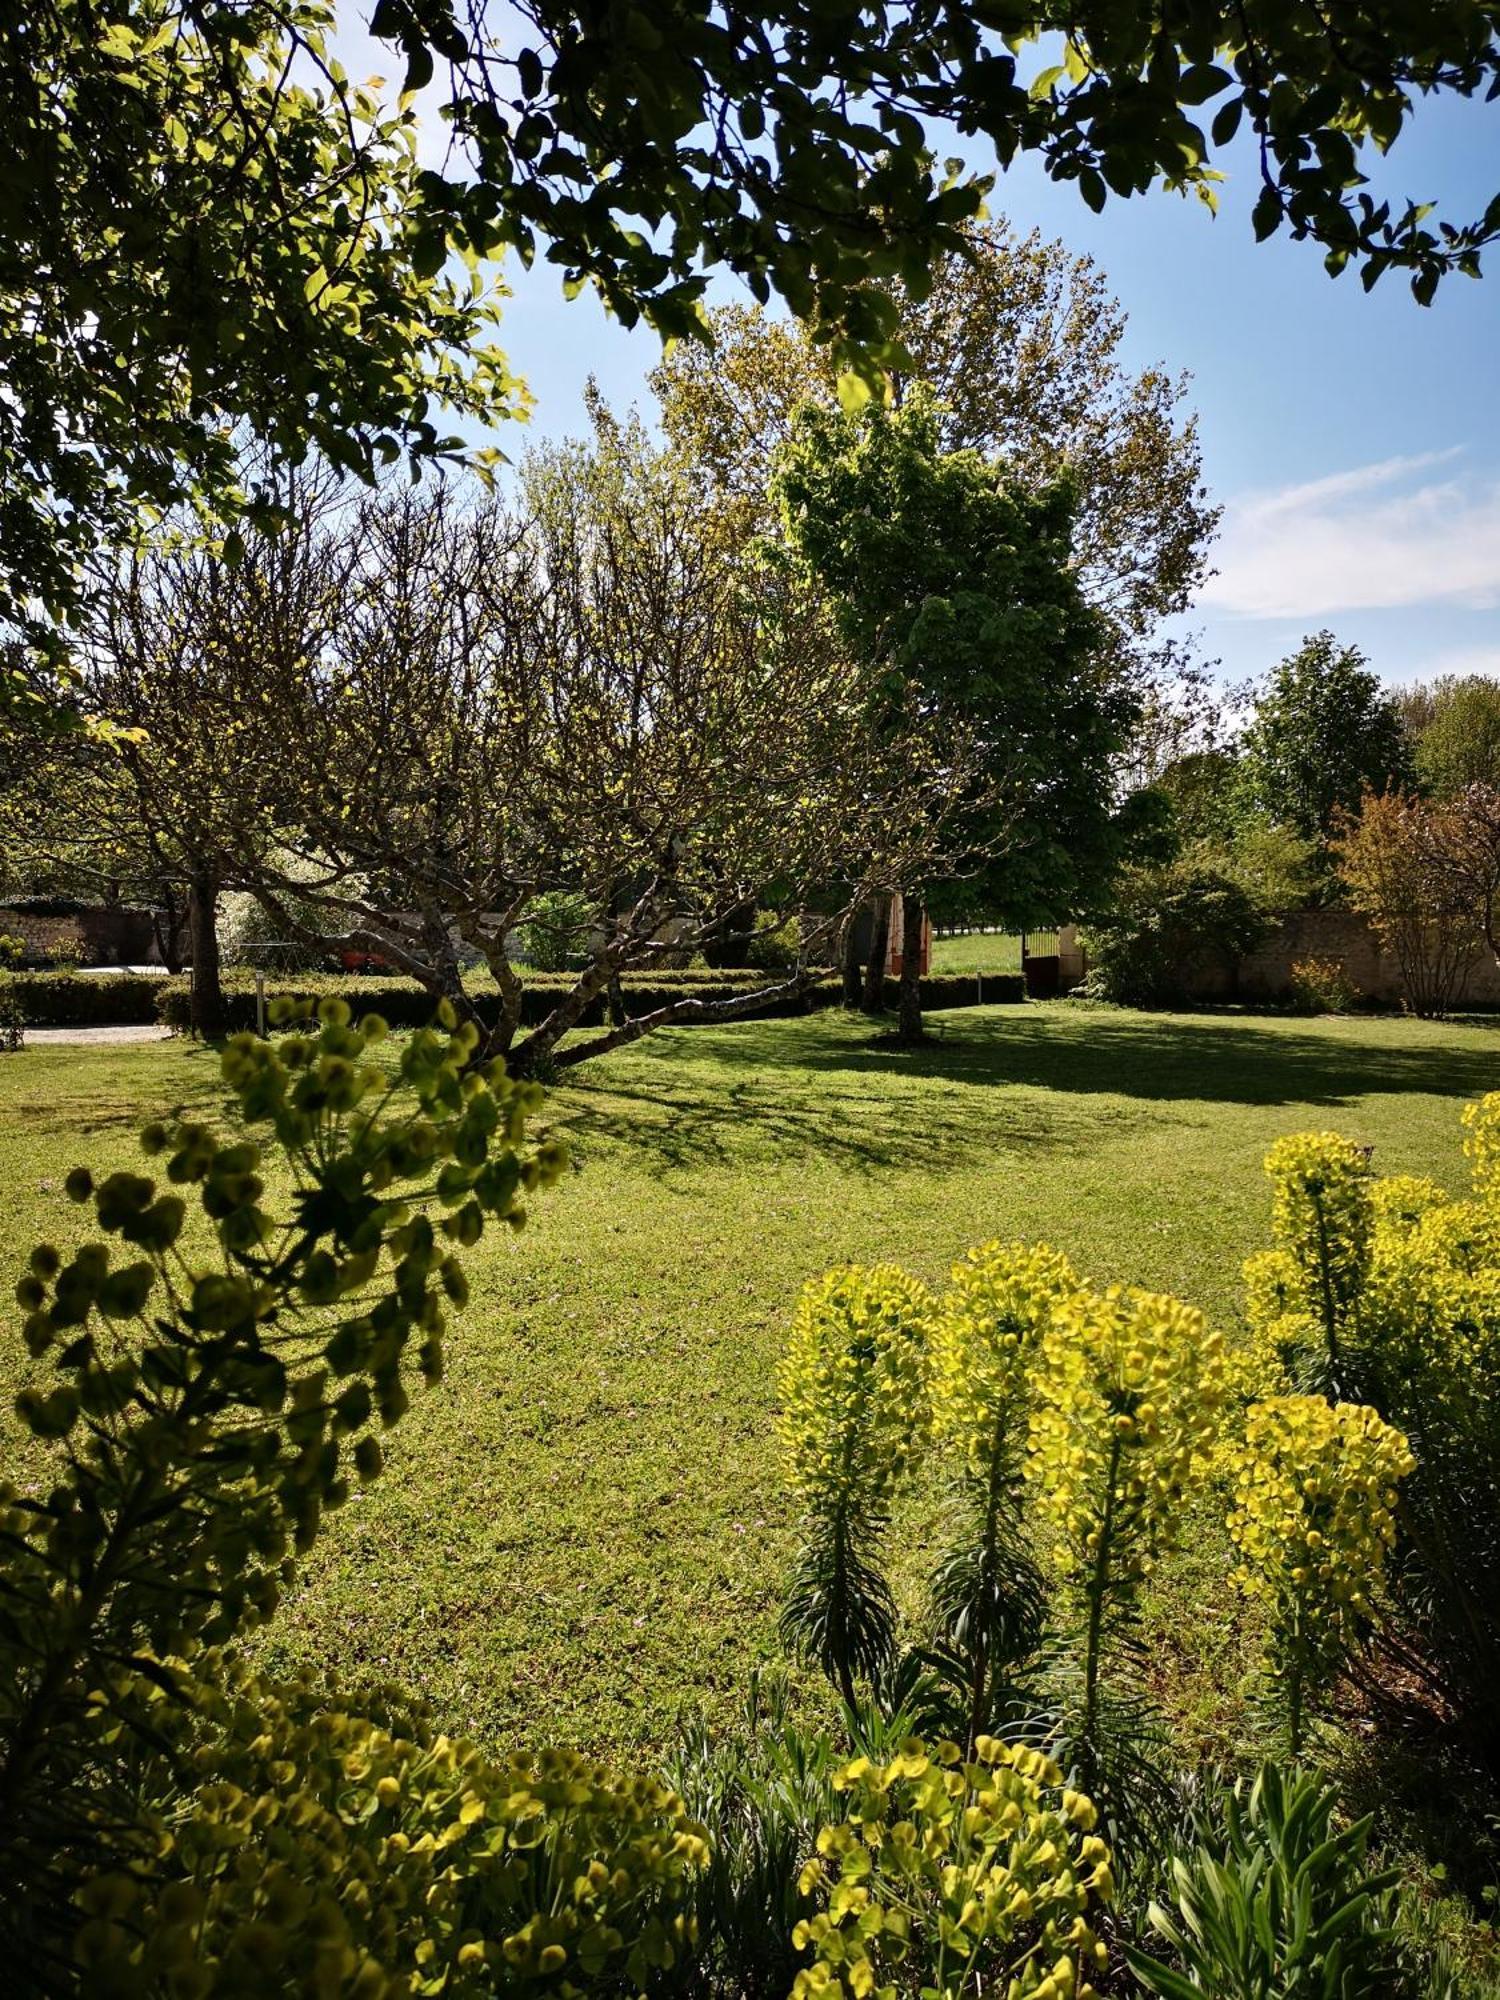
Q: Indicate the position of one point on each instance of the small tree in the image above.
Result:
(1395, 860)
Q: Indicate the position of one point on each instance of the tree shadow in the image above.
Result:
(1229, 1058)
(994, 1080)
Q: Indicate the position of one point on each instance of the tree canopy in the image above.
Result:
(206, 228)
(641, 145)
(1324, 731)
(1454, 726)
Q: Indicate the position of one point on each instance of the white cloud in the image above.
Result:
(1373, 537)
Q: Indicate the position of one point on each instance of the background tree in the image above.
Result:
(1454, 729)
(1020, 341)
(206, 224)
(1323, 731)
(954, 584)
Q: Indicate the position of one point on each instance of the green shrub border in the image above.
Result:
(127, 1000)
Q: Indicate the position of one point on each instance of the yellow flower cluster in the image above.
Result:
(852, 1385)
(956, 1878)
(1482, 1146)
(984, 1343)
(323, 1852)
(1313, 1519)
(1127, 1398)
(1323, 1219)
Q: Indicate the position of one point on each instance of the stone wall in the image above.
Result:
(1341, 935)
(111, 934)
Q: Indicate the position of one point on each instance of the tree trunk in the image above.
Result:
(852, 969)
(874, 994)
(166, 923)
(909, 1019)
(207, 1001)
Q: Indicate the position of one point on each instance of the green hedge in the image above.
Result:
(85, 1000)
(404, 1004)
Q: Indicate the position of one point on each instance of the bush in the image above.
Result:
(556, 932)
(1321, 986)
(1167, 925)
(405, 1004)
(84, 1000)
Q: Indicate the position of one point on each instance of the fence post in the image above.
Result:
(260, 1003)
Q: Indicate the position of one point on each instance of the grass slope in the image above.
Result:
(582, 1526)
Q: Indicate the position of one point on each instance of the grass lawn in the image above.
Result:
(976, 951)
(582, 1528)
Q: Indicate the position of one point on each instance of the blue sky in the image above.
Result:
(1353, 438)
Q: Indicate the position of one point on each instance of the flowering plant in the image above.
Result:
(954, 1877)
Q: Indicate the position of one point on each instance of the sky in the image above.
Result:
(1353, 439)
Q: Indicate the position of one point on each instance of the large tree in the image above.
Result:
(1021, 341)
(1322, 733)
(205, 226)
(955, 584)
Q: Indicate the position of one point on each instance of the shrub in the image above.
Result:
(853, 1415)
(1127, 1400)
(1387, 1292)
(956, 1878)
(12, 1021)
(1321, 986)
(1313, 1522)
(1166, 925)
(556, 932)
(1276, 1904)
(989, 1600)
(84, 1000)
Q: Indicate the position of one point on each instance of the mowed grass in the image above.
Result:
(581, 1529)
(976, 951)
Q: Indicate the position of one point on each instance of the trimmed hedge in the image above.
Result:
(404, 1004)
(85, 999)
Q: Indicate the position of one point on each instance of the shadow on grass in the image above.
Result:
(1014, 1079)
(1222, 1059)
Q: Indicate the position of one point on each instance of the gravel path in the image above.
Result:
(84, 1038)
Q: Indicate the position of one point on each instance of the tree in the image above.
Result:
(189, 658)
(1454, 729)
(647, 144)
(205, 225)
(600, 695)
(1163, 923)
(1395, 861)
(1323, 732)
(1020, 342)
(953, 583)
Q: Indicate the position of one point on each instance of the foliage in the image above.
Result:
(209, 1398)
(1323, 733)
(1389, 1291)
(1164, 924)
(1020, 342)
(84, 999)
(1454, 727)
(1313, 1522)
(951, 1878)
(1396, 863)
(555, 934)
(208, 226)
(1321, 986)
(314, 1851)
(593, 123)
(852, 1419)
(1277, 1904)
